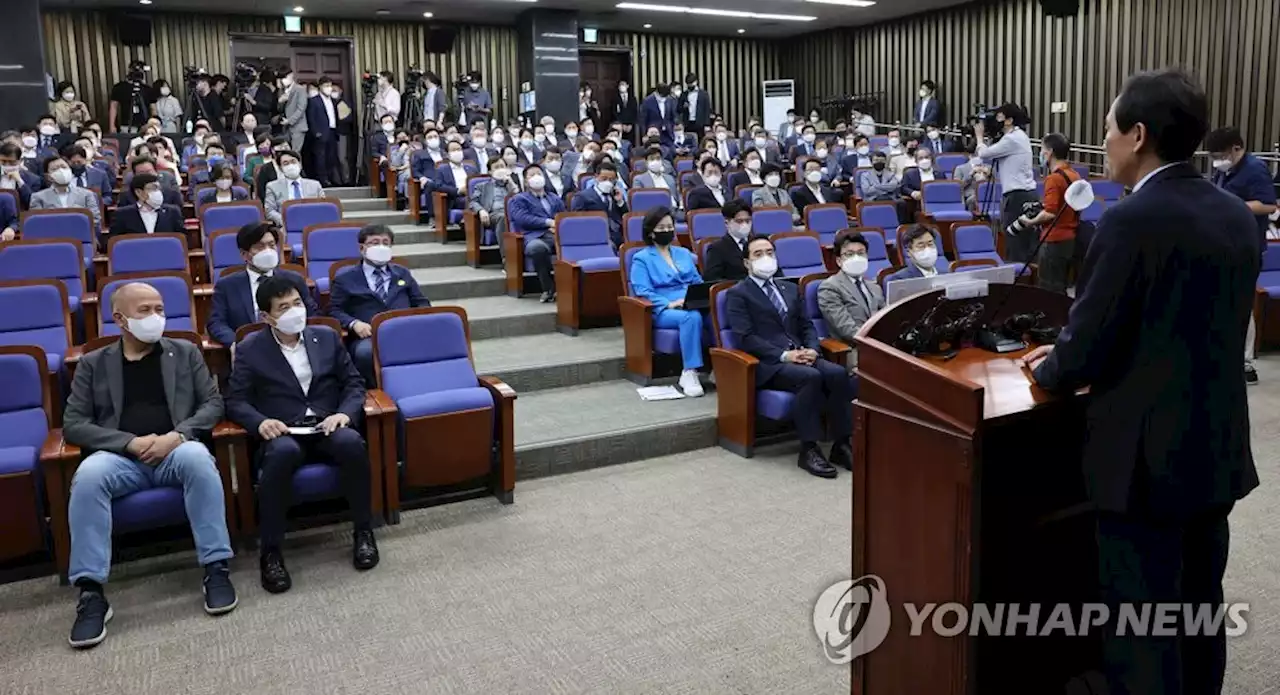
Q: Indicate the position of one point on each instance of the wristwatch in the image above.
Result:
(182, 438)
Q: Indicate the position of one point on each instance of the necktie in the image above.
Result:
(297, 191)
(546, 204)
(776, 298)
(380, 276)
(80, 181)
(862, 290)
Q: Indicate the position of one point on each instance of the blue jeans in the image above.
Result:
(104, 476)
(689, 323)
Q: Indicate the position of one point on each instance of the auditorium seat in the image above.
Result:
(25, 414)
(833, 350)
(175, 289)
(877, 253)
(587, 272)
(518, 267)
(633, 227)
(36, 312)
(65, 223)
(826, 220)
(300, 214)
(882, 216)
(770, 220)
(799, 254)
(1106, 189)
(946, 163)
(324, 243)
(642, 340)
(233, 215)
(447, 217)
(135, 253)
(705, 224)
(46, 259)
(743, 192)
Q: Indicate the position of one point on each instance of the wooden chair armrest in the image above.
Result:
(371, 409)
(89, 298)
(203, 290)
(73, 354)
(835, 351)
(56, 449)
(735, 359)
(498, 387)
(210, 345)
(634, 304)
(383, 401)
(227, 428)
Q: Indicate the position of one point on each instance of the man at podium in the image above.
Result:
(1156, 331)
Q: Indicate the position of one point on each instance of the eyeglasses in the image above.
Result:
(850, 254)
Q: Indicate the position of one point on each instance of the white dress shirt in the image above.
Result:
(662, 107)
(817, 192)
(299, 362)
(693, 103)
(722, 152)
(718, 192)
(64, 199)
(924, 104)
(557, 183)
(926, 175)
(329, 110)
(1016, 171)
(1153, 172)
(429, 105)
(148, 218)
(255, 279)
(754, 178)
(459, 177)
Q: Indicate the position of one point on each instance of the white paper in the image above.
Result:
(659, 393)
(303, 431)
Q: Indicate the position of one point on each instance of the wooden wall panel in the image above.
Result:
(1008, 50)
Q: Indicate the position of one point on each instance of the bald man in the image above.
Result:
(142, 405)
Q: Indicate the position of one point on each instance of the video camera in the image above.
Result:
(137, 72)
(412, 78)
(191, 73)
(987, 117)
(245, 74)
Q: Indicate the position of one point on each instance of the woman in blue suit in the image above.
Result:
(662, 273)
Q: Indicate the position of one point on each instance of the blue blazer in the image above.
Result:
(234, 304)
(421, 164)
(912, 182)
(589, 200)
(528, 215)
(932, 112)
(761, 331)
(128, 220)
(100, 181)
(263, 385)
(445, 183)
(939, 146)
(351, 299)
(913, 271)
(651, 115)
(8, 213)
(378, 143)
(652, 278)
(318, 119)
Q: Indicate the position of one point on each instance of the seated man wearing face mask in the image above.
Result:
(970, 175)
(83, 172)
(711, 193)
(773, 195)
(488, 201)
(360, 292)
(752, 165)
(913, 181)
(724, 255)
(320, 388)
(921, 250)
(848, 298)
(856, 155)
(233, 296)
(534, 212)
(150, 215)
(380, 142)
(807, 145)
(290, 186)
(60, 193)
(879, 184)
(937, 142)
(559, 179)
(657, 175)
(606, 197)
(813, 192)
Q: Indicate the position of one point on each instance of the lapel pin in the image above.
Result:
(400, 283)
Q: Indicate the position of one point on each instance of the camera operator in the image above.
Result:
(132, 101)
(1011, 155)
(1059, 244)
(387, 100)
(262, 98)
(475, 100)
(207, 104)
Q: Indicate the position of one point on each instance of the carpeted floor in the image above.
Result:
(692, 574)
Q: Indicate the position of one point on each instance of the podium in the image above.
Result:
(968, 488)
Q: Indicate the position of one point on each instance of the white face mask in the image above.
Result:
(604, 187)
(764, 267)
(62, 177)
(761, 143)
(925, 164)
(571, 133)
(29, 142)
(712, 180)
(855, 266)
(155, 199)
(772, 180)
(814, 118)
(287, 81)
(923, 92)
(1222, 164)
(536, 182)
(553, 165)
(386, 127)
(266, 259)
(48, 130)
(291, 171)
(499, 138)
(326, 91)
(526, 143)
(455, 156)
(821, 154)
(474, 85)
(933, 134)
(864, 150)
(739, 230)
(502, 175)
(292, 321)
(588, 129)
(722, 136)
(925, 258)
(510, 158)
(378, 255)
(810, 137)
(148, 329)
(588, 155)
(655, 166)
(223, 184)
(433, 143)
(894, 142)
(622, 88)
(753, 164)
(675, 92)
(68, 96)
(812, 176)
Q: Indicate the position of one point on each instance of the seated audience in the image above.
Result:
(560, 182)
(15, 177)
(752, 164)
(8, 218)
(768, 319)
(937, 142)
(773, 195)
(478, 148)
(914, 178)
(605, 197)
(726, 148)
(527, 149)
(711, 194)
(380, 141)
(150, 215)
(724, 256)
(142, 406)
(857, 155)
(769, 149)
(848, 298)
(661, 273)
(586, 159)
(534, 213)
(451, 178)
(489, 198)
(84, 175)
(806, 147)
(60, 194)
(923, 260)
(223, 191)
(813, 192)
(146, 165)
(291, 187)
(169, 165)
(321, 389)
(234, 303)
(400, 159)
(656, 176)
(879, 184)
(363, 291)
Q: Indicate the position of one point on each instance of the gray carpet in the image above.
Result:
(694, 573)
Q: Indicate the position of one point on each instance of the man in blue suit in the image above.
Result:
(287, 376)
(922, 258)
(1156, 333)
(450, 176)
(8, 218)
(928, 111)
(322, 134)
(767, 317)
(14, 176)
(604, 197)
(533, 213)
(85, 176)
(659, 110)
(362, 291)
(234, 303)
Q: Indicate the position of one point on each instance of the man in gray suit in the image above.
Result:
(290, 186)
(656, 175)
(489, 198)
(847, 298)
(141, 406)
(295, 112)
(60, 194)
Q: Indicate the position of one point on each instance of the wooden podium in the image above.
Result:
(968, 488)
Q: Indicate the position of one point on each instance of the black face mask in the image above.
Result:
(878, 166)
(77, 170)
(663, 238)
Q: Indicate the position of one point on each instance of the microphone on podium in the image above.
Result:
(1079, 197)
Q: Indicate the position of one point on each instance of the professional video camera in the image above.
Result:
(987, 117)
(137, 72)
(412, 79)
(369, 83)
(245, 74)
(191, 73)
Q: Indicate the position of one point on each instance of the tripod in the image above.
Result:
(138, 104)
(411, 113)
(367, 125)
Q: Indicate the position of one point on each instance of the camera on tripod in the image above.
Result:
(412, 79)
(369, 83)
(137, 72)
(245, 74)
(987, 117)
(191, 73)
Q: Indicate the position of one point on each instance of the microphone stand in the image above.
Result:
(991, 339)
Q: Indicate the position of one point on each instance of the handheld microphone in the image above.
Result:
(1079, 197)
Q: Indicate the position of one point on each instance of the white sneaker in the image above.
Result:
(689, 383)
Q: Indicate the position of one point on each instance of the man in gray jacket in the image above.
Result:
(848, 298)
(139, 408)
(489, 199)
(61, 195)
(295, 112)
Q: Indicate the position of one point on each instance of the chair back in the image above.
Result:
(988, 197)
(63, 223)
(36, 313)
(882, 216)
(877, 252)
(1093, 213)
(702, 246)
(24, 400)
(705, 224)
(809, 293)
(947, 163)
(973, 241)
(233, 215)
(422, 351)
(44, 259)
(174, 288)
(685, 180)
(771, 220)
(582, 235)
(583, 178)
(645, 199)
(826, 220)
(744, 191)
(1270, 275)
(12, 194)
(942, 195)
(628, 253)
(324, 243)
(799, 253)
(683, 164)
(300, 214)
(1107, 189)
(723, 332)
(878, 142)
(136, 253)
(632, 226)
(221, 252)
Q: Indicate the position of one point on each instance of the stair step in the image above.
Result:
(460, 282)
(350, 205)
(410, 233)
(349, 192)
(572, 429)
(383, 216)
(505, 317)
(552, 360)
(428, 254)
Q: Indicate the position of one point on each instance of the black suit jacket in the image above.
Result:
(1157, 333)
(701, 198)
(761, 331)
(724, 261)
(128, 220)
(172, 196)
(805, 197)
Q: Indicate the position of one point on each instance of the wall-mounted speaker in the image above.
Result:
(133, 29)
(1060, 8)
(440, 39)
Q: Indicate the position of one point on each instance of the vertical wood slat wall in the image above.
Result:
(1008, 50)
(81, 46)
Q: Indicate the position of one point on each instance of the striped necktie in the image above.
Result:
(380, 276)
(776, 297)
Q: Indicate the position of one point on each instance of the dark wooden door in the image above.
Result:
(311, 62)
(603, 71)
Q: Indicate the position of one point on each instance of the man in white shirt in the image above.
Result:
(1015, 171)
(305, 414)
(387, 100)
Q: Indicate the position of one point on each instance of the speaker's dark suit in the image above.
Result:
(1157, 332)
(822, 388)
(128, 220)
(234, 304)
(724, 261)
(264, 386)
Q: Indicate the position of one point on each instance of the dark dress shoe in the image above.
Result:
(812, 460)
(364, 551)
(275, 576)
(842, 455)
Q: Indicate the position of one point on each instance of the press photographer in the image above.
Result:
(1010, 154)
(1058, 248)
(132, 100)
(474, 99)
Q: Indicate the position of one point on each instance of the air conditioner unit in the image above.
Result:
(779, 97)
